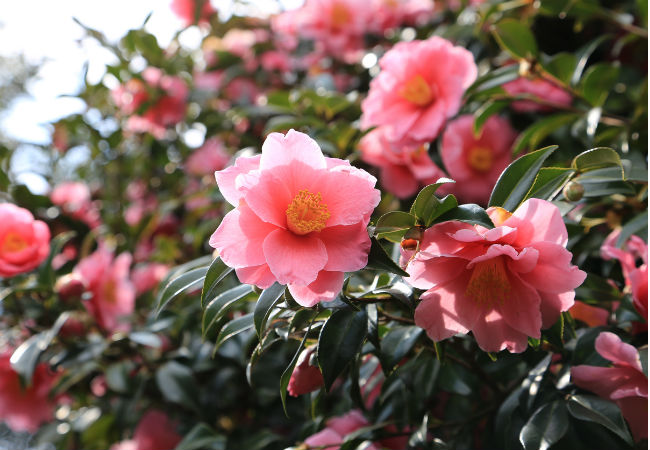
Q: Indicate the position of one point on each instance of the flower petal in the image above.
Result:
(324, 289)
(347, 247)
(294, 259)
(283, 150)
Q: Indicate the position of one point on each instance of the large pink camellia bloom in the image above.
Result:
(155, 431)
(187, 11)
(495, 282)
(542, 89)
(166, 109)
(402, 169)
(475, 163)
(300, 218)
(420, 86)
(113, 294)
(624, 382)
(24, 242)
(25, 409)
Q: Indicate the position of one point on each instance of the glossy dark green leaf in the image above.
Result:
(549, 182)
(269, 297)
(637, 225)
(233, 328)
(146, 338)
(340, 341)
(493, 79)
(597, 158)
(397, 343)
(216, 273)
(487, 110)
(378, 259)
(184, 282)
(178, 385)
(603, 412)
(562, 66)
(583, 55)
(426, 206)
(533, 136)
(202, 437)
(545, 427)
(605, 188)
(469, 213)
(24, 359)
(393, 225)
(598, 82)
(516, 38)
(514, 183)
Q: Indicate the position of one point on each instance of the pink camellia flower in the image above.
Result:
(623, 383)
(305, 377)
(636, 278)
(420, 86)
(476, 163)
(74, 199)
(112, 293)
(25, 409)
(166, 109)
(24, 242)
(591, 315)
(147, 276)
(495, 282)
(402, 169)
(542, 89)
(299, 219)
(388, 14)
(154, 431)
(210, 157)
(333, 435)
(188, 11)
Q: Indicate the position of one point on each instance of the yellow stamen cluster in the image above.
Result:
(480, 158)
(489, 282)
(417, 91)
(307, 213)
(340, 15)
(13, 242)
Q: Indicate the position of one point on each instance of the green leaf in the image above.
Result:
(605, 188)
(24, 359)
(177, 384)
(516, 38)
(218, 307)
(583, 55)
(397, 343)
(598, 83)
(216, 273)
(634, 226)
(469, 213)
(494, 79)
(545, 427)
(514, 183)
(393, 225)
(339, 342)
(487, 110)
(427, 206)
(532, 136)
(562, 66)
(597, 158)
(233, 328)
(603, 412)
(46, 273)
(549, 182)
(378, 259)
(269, 297)
(202, 437)
(175, 287)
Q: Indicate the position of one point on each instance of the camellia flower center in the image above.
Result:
(307, 213)
(13, 242)
(489, 282)
(480, 158)
(340, 15)
(417, 91)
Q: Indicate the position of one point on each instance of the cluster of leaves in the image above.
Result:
(217, 355)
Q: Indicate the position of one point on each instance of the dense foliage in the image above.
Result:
(448, 251)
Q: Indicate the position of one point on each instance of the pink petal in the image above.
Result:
(227, 178)
(611, 347)
(260, 276)
(493, 334)
(554, 263)
(324, 289)
(553, 304)
(349, 195)
(439, 239)
(521, 310)
(635, 411)
(347, 247)
(347, 423)
(270, 198)
(240, 236)
(282, 150)
(294, 259)
(428, 273)
(544, 222)
(399, 181)
(600, 380)
(325, 439)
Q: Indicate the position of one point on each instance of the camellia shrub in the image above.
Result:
(359, 224)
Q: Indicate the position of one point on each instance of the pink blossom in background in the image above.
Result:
(636, 278)
(208, 81)
(112, 293)
(166, 109)
(388, 14)
(207, 159)
(623, 383)
(420, 86)
(542, 89)
(242, 91)
(305, 377)
(495, 282)
(74, 199)
(146, 277)
(25, 409)
(337, 428)
(403, 170)
(155, 431)
(276, 60)
(476, 163)
(300, 218)
(591, 315)
(24, 242)
(187, 11)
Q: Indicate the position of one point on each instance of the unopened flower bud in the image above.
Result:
(70, 287)
(573, 191)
